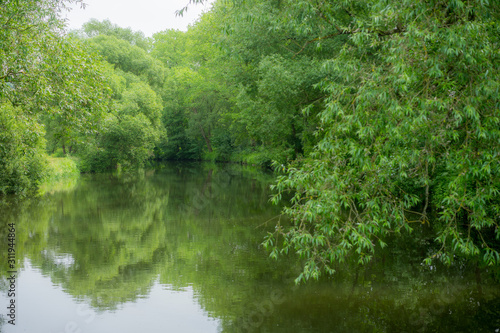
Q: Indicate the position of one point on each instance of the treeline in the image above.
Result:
(377, 114)
(202, 99)
(112, 98)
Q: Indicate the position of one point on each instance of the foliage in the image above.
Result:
(94, 28)
(28, 28)
(45, 78)
(178, 145)
(381, 116)
(275, 79)
(196, 93)
(61, 167)
(129, 140)
(169, 47)
(78, 96)
(129, 58)
(133, 126)
(22, 151)
(62, 175)
(410, 128)
(48, 73)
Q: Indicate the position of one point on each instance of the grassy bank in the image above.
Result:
(62, 174)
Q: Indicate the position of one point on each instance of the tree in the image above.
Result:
(196, 93)
(131, 130)
(44, 77)
(169, 47)
(274, 72)
(128, 141)
(129, 58)
(410, 133)
(133, 127)
(27, 28)
(78, 96)
(179, 146)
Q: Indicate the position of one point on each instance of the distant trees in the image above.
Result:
(235, 90)
(196, 93)
(133, 126)
(94, 28)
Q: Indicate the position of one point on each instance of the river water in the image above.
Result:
(177, 249)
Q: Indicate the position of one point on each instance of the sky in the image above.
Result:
(148, 16)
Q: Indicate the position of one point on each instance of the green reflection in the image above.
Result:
(110, 238)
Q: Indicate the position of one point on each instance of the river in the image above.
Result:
(177, 249)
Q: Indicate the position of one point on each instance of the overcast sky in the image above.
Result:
(148, 16)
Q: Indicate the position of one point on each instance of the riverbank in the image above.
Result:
(61, 174)
(259, 157)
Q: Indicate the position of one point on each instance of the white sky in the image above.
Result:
(148, 16)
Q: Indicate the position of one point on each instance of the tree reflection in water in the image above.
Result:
(110, 239)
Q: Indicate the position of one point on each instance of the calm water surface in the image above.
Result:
(177, 249)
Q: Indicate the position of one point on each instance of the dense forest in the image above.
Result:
(378, 117)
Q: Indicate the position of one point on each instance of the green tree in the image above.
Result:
(28, 27)
(78, 97)
(273, 70)
(169, 47)
(410, 133)
(130, 132)
(129, 58)
(41, 67)
(133, 126)
(45, 77)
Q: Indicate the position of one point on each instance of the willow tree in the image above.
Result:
(410, 133)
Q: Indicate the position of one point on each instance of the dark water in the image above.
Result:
(178, 249)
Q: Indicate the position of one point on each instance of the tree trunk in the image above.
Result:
(207, 139)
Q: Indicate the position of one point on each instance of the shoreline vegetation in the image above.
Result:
(62, 174)
(379, 118)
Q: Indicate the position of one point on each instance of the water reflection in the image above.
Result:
(186, 237)
(50, 309)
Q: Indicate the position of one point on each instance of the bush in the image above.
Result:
(127, 142)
